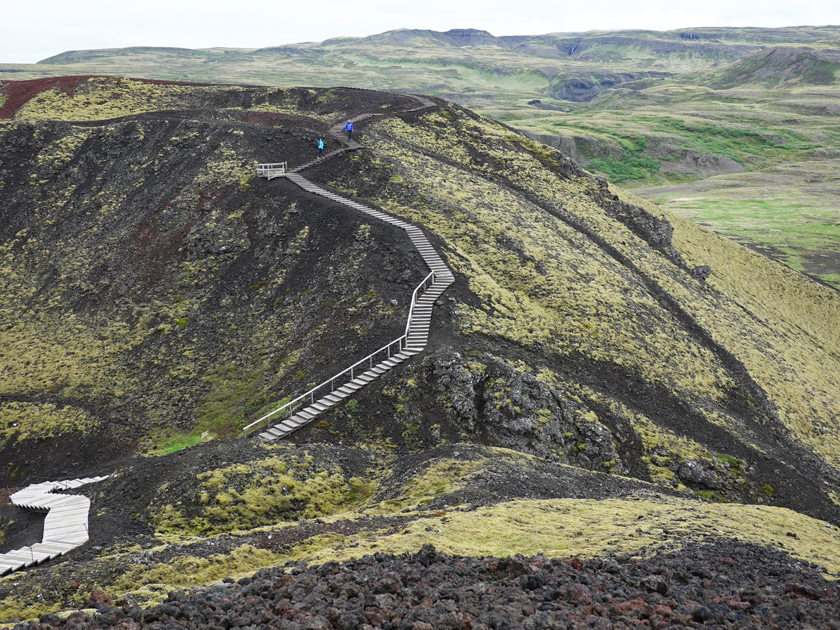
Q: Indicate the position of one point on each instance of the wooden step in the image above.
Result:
(418, 326)
(65, 526)
(8, 567)
(53, 547)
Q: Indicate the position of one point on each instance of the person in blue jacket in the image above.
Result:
(320, 148)
(349, 129)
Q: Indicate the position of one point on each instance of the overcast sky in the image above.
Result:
(44, 28)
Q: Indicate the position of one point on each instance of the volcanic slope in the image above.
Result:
(734, 128)
(597, 362)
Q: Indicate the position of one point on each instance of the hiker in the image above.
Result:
(349, 129)
(320, 148)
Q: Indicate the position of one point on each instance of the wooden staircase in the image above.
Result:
(305, 408)
(66, 522)
(65, 526)
(337, 131)
(413, 341)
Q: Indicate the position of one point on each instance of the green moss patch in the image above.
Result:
(571, 527)
(34, 421)
(282, 488)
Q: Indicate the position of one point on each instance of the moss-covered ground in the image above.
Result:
(155, 297)
(647, 109)
(531, 245)
(448, 499)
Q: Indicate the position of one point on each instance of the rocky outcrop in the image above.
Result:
(655, 231)
(701, 272)
(693, 474)
(584, 87)
(567, 145)
(487, 398)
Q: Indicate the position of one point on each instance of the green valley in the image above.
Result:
(650, 110)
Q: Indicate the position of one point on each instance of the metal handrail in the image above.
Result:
(422, 285)
(369, 358)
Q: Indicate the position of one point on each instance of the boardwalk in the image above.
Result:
(65, 526)
(313, 403)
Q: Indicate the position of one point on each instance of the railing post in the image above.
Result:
(401, 343)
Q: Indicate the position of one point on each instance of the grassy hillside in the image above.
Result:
(646, 109)
(596, 354)
(789, 212)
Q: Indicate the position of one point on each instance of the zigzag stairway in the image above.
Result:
(374, 365)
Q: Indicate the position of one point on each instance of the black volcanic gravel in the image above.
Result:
(717, 585)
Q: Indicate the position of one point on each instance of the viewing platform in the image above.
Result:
(270, 171)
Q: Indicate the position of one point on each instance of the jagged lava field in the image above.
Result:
(642, 413)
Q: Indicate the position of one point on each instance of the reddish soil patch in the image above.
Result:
(18, 93)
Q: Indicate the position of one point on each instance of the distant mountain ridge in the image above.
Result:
(641, 107)
(573, 67)
(784, 64)
(736, 41)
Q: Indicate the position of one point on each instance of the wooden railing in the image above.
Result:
(395, 347)
(269, 171)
